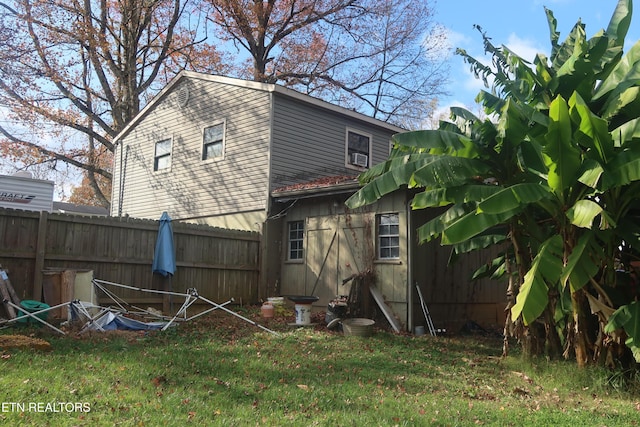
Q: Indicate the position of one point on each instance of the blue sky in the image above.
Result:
(521, 25)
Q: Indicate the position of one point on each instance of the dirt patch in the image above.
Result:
(222, 325)
(22, 341)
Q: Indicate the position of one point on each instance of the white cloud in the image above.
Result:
(465, 86)
(471, 83)
(524, 48)
(457, 40)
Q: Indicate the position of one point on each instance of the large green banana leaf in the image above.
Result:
(514, 197)
(533, 297)
(592, 131)
(563, 158)
(627, 317)
(453, 195)
(622, 76)
(583, 262)
(583, 213)
(449, 171)
(475, 223)
(388, 177)
(623, 169)
(620, 21)
(438, 141)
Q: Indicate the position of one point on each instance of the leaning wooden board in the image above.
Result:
(395, 324)
(4, 278)
(6, 298)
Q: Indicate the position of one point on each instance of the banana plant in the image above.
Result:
(556, 173)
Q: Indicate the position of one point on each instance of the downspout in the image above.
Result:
(119, 212)
(123, 171)
(269, 148)
(267, 230)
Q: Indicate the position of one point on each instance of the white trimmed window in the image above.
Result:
(358, 149)
(388, 236)
(295, 241)
(213, 142)
(162, 155)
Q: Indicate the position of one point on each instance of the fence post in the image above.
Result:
(40, 255)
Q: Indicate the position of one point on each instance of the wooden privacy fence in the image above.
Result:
(221, 264)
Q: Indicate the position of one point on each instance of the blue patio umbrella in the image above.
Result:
(164, 256)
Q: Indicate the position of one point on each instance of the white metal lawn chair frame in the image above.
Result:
(83, 308)
(191, 296)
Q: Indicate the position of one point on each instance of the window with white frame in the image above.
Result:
(213, 142)
(295, 240)
(388, 236)
(162, 155)
(358, 149)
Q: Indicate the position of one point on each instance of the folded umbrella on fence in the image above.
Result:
(164, 256)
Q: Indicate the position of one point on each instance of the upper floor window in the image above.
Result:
(388, 236)
(213, 142)
(162, 155)
(295, 240)
(358, 149)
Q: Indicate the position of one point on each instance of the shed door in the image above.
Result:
(335, 249)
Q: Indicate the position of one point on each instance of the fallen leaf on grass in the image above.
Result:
(471, 363)
(521, 391)
(303, 386)
(523, 376)
(159, 380)
(220, 382)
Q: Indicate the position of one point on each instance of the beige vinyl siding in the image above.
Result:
(193, 188)
(309, 142)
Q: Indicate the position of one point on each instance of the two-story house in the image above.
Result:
(210, 149)
(261, 157)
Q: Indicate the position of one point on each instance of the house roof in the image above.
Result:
(267, 87)
(72, 208)
(325, 186)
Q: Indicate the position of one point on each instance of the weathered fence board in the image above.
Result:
(221, 264)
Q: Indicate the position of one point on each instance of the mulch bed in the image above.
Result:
(22, 341)
(223, 325)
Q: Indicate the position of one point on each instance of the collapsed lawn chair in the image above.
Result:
(95, 317)
(191, 296)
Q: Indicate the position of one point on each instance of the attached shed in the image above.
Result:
(321, 243)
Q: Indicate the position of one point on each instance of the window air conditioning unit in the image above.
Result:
(359, 159)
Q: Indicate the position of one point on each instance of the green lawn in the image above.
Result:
(223, 371)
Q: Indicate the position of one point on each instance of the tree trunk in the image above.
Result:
(533, 340)
(509, 326)
(553, 343)
(580, 329)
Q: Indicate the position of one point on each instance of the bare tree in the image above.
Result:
(383, 58)
(85, 66)
(73, 73)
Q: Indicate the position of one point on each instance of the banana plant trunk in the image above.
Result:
(580, 329)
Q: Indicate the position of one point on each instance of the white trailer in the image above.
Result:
(20, 192)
